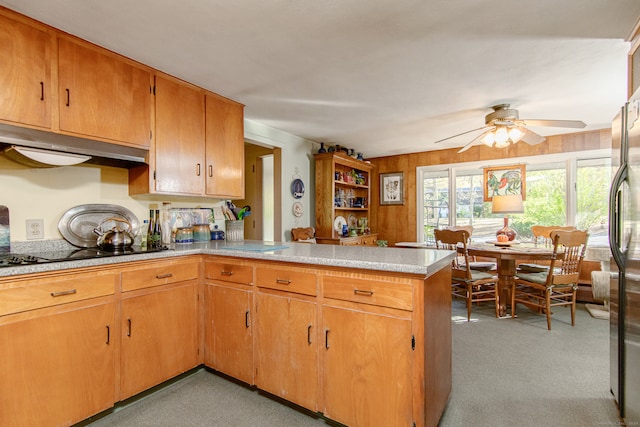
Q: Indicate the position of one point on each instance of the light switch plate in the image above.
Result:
(35, 229)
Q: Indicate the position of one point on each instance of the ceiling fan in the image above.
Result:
(504, 126)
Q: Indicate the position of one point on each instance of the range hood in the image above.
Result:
(51, 149)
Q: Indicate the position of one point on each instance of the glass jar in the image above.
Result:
(235, 230)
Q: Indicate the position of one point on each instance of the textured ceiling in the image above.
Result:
(383, 77)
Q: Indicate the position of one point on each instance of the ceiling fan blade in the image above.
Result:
(476, 139)
(555, 123)
(460, 134)
(530, 137)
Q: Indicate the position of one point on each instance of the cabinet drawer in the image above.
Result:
(369, 240)
(228, 272)
(385, 294)
(159, 274)
(39, 293)
(284, 279)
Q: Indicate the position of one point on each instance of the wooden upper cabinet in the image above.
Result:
(179, 141)
(224, 147)
(102, 95)
(25, 73)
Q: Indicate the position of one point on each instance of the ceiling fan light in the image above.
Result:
(502, 137)
(515, 135)
(489, 139)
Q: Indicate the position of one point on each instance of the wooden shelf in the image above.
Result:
(332, 190)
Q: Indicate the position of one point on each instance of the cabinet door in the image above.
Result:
(102, 95)
(159, 337)
(179, 142)
(224, 148)
(287, 355)
(228, 332)
(25, 74)
(368, 368)
(57, 369)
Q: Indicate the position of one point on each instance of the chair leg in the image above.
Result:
(469, 301)
(513, 300)
(497, 295)
(573, 308)
(548, 307)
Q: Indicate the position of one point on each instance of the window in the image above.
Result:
(548, 202)
(435, 203)
(593, 179)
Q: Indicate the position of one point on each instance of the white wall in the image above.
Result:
(48, 193)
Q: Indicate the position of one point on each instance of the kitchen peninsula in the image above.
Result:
(361, 335)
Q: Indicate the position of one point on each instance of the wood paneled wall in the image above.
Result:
(397, 223)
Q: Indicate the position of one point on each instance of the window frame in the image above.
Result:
(570, 160)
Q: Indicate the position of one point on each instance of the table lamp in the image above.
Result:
(506, 204)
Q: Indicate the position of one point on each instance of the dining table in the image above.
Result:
(506, 254)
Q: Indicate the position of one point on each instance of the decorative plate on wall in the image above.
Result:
(298, 209)
(297, 188)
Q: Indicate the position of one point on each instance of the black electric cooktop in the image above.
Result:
(16, 259)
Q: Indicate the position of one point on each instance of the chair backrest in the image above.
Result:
(569, 248)
(455, 240)
(544, 232)
(467, 228)
(303, 234)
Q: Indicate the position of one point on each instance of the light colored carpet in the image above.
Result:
(506, 372)
(514, 372)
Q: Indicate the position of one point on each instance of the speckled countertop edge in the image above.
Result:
(399, 260)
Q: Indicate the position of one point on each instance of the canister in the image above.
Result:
(184, 235)
(201, 233)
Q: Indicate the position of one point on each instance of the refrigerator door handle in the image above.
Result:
(615, 208)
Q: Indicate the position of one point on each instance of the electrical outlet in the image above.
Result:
(35, 229)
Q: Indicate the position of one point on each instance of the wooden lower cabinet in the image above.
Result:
(364, 348)
(367, 368)
(287, 349)
(159, 336)
(57, 364)
(228, 331)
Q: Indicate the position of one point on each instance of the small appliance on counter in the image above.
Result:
(5, 231)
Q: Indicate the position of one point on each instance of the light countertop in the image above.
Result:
(400, 260)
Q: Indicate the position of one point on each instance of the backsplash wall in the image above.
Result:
(47, 193)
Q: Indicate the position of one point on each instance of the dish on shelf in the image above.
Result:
(352, 221)
(338, 223)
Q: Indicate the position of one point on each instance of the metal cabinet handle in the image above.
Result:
(197, 169)
(164, 276)
(283, 281)
(363, 292)
(61, 293)
(129, 327)
(309, 334)
(68, 97)
(326, 339)
(210, 171)
(246, 319)
(41, 91)
(226, 273)
(108, 334)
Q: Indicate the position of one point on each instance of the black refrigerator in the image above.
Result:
(624, 241)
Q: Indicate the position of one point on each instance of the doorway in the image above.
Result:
(261, 192)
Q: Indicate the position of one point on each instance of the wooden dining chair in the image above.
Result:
(556, 286)
(467, 283)
(543, 233)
